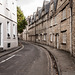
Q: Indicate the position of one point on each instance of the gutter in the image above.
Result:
(71, 51)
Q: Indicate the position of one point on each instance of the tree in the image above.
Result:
(21, 20)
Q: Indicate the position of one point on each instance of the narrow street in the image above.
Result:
(31, 60)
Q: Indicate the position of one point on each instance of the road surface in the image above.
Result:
(30, 60)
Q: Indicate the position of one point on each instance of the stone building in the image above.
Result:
(54, 25)
(8, 24)
(25, 34)
(60, 33)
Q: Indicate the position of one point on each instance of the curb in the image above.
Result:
(53, 56)
(17, 48)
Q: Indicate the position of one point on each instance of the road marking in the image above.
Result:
(12, 55)
(17, 50)
(7, 59)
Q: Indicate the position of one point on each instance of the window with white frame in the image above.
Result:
(51, 37)
(54, 38)
(51, 7)
(44, 36)
(51, 24)
(64, 14)
(39, 37)
(8, 29)
(64, 38)
(14, 31)
(55, 20)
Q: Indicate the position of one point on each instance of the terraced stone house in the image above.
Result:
(54, 25)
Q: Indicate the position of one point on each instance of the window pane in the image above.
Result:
(51, 7)
(64, 37)
(64, 13)
(50, 37)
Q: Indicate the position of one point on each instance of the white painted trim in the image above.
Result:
(1, 34)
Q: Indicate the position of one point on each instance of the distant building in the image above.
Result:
(8, 24)
(25, 34)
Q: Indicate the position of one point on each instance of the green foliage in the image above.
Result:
(21, 20)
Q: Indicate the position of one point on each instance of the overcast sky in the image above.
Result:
(29, 6)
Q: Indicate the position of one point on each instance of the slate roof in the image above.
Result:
(45, 8)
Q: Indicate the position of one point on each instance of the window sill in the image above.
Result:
(8, 38)
(44, 40)
(13, 13)
(8, 9)
(50, 41)
(54, 24)
(14, 38)
(50, 26)
(63, 20)
(63, 43)
(38, 39)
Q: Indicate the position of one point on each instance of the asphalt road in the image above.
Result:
(31, 60)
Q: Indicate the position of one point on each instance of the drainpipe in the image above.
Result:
(71, 51)
(35, 31)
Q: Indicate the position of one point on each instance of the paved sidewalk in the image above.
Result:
(65, 62)
(9, 51)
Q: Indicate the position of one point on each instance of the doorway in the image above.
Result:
(57, 41)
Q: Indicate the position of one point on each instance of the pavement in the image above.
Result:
(65, 62)
(6, 52)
